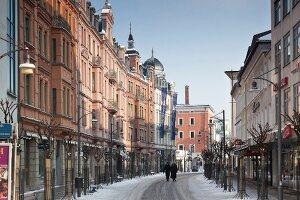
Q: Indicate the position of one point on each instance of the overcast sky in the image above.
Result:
(196, 40)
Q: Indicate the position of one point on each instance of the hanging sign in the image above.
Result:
(6, 131)
(288, 131)
(5, 171)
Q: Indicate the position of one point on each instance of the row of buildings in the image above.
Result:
(256, 99)
(89, 99)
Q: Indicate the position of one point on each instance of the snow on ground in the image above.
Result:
(204, 189)
(120, 190)
(198, 186)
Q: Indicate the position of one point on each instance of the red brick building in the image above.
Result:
(193, 130)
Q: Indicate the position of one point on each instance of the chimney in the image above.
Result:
(187, 97)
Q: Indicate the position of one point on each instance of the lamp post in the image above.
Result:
(210, 124)
(79, 179)
(279, 136)
(224, 146)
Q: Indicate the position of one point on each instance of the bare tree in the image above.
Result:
(230, 146)
(208, 158)
(46, 129)
(8, 108)
(216, 149)
(259, 136)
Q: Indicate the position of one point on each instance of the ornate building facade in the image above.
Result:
(87, 114)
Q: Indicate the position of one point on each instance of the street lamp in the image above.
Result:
(210, 124)
(279, 136)
(79, 179)
(25, 68)
(224, 146)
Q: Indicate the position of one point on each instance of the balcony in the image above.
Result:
(112, 76)
(112, 106)
(140, 97)
(96, 61)
(59, 22)
(120, 86)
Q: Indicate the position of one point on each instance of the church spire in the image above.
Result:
(152, 53)
(107, 4)
(130, 39)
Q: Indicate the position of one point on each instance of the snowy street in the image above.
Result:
(189, 186)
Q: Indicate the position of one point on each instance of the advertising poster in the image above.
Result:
(163, 111)
(5, 154)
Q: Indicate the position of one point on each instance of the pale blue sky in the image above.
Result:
(196, 40)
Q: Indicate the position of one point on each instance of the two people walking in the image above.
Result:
(170, 169)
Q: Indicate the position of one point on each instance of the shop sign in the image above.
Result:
(5, 171)
(287, 131)
(6, 131)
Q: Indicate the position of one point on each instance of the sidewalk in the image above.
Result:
(251, 190)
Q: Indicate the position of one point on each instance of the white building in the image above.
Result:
(9, 60)
(164, 143)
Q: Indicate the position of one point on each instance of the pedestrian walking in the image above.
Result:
(174, 170)
(167, 170)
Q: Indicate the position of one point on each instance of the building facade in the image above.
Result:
(165, 101)
(194, 134)
(88, 111)
(285, 53)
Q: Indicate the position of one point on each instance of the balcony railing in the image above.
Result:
(59, 22)
(112, 106)
(140, 96)
(112, 76)
(120, 86)
(96, 60)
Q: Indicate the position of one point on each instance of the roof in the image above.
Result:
(158, 66)
(187, 108)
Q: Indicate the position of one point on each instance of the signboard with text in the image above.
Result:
(5, 171)
(6, 131)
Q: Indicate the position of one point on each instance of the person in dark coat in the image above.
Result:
(174, 170)
(167, 170)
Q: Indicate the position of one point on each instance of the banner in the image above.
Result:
(5, 170)
(163, 111)
(173, 135)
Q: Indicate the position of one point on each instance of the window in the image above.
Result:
(180, 147)
(45, 95)
(277, 55)
(277, 16)
(27, 28)
(93, 82)
(180, 122)
(11, 39)
(297, 97)
(67, 53)
(180, 135)
(287, 103)
(63, 51)
(40, 41)
(45, 44)
(40, 93)
(192, 121)
(53, 50)
(286, 7)
(27, 88)
(192, 134)
(64, 102)
(68, 102)
(297, 40)
(286, 49)
(54, 101)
